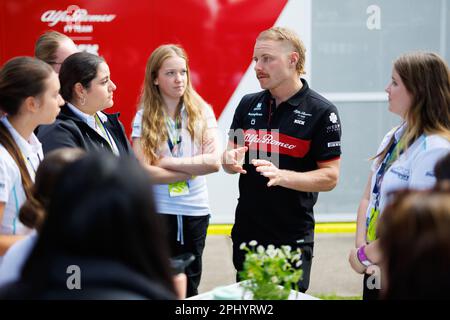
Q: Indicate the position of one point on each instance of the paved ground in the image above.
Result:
(330, 274)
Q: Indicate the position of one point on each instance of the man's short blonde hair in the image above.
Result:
(288, 36)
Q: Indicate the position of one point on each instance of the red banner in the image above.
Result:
(217, 35)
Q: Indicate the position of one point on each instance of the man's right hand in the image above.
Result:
(232, 160)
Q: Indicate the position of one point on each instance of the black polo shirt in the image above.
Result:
(296, 135)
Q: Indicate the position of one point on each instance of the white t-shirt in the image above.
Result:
(413, 169)
(11, 188)
(196, 202)
(15, 257)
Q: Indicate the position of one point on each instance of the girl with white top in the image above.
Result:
(174, 136)
(29, 97)
(419, 93)
(34, 209)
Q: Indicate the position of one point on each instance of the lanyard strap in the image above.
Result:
(31, 163)
(28, 160)
(104, 134)
(174, 132)
(388, 160)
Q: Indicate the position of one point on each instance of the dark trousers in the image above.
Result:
(368, 293)
(194, 234)
(306, 257)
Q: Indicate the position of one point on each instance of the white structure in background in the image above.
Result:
(350, 48)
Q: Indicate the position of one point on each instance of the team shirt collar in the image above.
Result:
(87, 118)
(297, 97)
(399, 132)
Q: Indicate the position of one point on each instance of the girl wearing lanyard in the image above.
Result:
(34, 209)
(29, 96)
(87, 88)
(174, 136)
(419, 93)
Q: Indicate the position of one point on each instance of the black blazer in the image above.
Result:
(70, 131)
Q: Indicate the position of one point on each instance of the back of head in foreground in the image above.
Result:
(442, 169)
(415, 242)
(101, 219)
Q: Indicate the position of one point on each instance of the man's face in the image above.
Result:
(273, 63)
(65, 49)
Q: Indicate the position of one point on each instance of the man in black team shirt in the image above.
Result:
(285, 143)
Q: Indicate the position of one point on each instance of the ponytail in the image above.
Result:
(32, 213)
(10, 145)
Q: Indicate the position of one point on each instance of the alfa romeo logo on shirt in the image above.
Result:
(333, 117)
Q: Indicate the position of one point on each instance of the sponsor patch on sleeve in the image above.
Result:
(333, 117)
(333, 128)
(334, 144)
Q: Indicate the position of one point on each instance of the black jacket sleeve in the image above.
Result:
(60, 134)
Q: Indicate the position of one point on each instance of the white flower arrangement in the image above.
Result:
(271, 272)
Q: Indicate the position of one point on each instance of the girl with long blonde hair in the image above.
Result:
(174, 137)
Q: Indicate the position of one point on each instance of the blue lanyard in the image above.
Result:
(385, 165)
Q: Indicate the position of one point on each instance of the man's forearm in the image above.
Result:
(324, 179)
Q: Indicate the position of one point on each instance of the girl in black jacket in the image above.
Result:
(87, 88)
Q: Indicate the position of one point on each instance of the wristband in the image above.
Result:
(361, 254)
